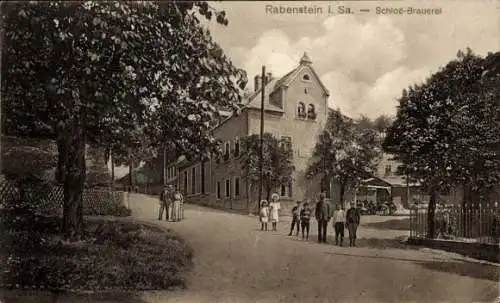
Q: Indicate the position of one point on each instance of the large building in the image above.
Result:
(295, 109)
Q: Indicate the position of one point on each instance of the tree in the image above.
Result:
(346, 152)
(446, 130)
(382, 123)
(277, 162)
(93, 72)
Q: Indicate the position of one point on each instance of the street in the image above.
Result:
(236, 262)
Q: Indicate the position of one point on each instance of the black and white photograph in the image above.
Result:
(250, 151)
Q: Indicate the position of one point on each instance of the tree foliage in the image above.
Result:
(446, 131)
(277, 162)
(96, 72)
(347, 151)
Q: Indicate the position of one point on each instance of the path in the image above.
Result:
(235, 262)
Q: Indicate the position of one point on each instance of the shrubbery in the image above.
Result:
(112, 254)
(122, 255)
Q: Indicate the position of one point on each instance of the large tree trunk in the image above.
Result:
(431, 214)
(112, 171)
(61, 154)
(130, 179)
(74, 181)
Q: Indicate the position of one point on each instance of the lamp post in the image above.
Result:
(261, 156)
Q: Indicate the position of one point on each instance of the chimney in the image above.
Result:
(269, 77)
(257, 82)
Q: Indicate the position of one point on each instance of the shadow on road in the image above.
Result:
(363, 242)
(466, 269)
(19, 296)
(472, 270)
(396, 224)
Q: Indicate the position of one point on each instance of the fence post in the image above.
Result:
(411, 222)
(480, 223)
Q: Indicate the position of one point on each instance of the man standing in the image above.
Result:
(352, 219)
(322, 214)
(164, 195)
(338, 224)
(295, 218)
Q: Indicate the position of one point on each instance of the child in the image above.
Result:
(295, 219)
(305, 218)
(274, 208)
(264, 215)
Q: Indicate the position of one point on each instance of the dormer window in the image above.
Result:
(311, 112)
(306, 77)
(301, 110)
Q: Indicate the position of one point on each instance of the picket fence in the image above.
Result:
(49, 198)
(473, 223)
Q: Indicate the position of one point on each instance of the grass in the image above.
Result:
(113, 255)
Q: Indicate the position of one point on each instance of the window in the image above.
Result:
(228, 188)
(311, 112)
(185, 182)
(193, 180)
(203, 177)
(236, 186)
(306, 77)
(237, 148)
(301, 110)
(286, 190)
(218, 190)
(388, 170)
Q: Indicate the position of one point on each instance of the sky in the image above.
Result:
(365, 60)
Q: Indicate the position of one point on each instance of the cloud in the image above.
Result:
(366, 62)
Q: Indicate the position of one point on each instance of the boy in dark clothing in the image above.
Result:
(305, 218)
(352, 220)
(295, 219)
(322, 214)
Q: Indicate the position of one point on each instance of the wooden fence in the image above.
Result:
(48, 199)
(469, 223)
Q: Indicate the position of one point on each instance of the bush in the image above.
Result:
(121, 255)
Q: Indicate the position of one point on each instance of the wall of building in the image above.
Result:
(303, 132)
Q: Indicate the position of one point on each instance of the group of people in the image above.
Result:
(171, 203)
(269, 212)
(301, 218)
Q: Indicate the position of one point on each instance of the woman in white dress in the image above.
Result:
(177, 206)
(274, 208)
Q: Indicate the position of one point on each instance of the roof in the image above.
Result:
(289, 77)
(399, 181)
(254, 100)
(374, 181)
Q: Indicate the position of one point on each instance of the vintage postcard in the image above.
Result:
(250, 151)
